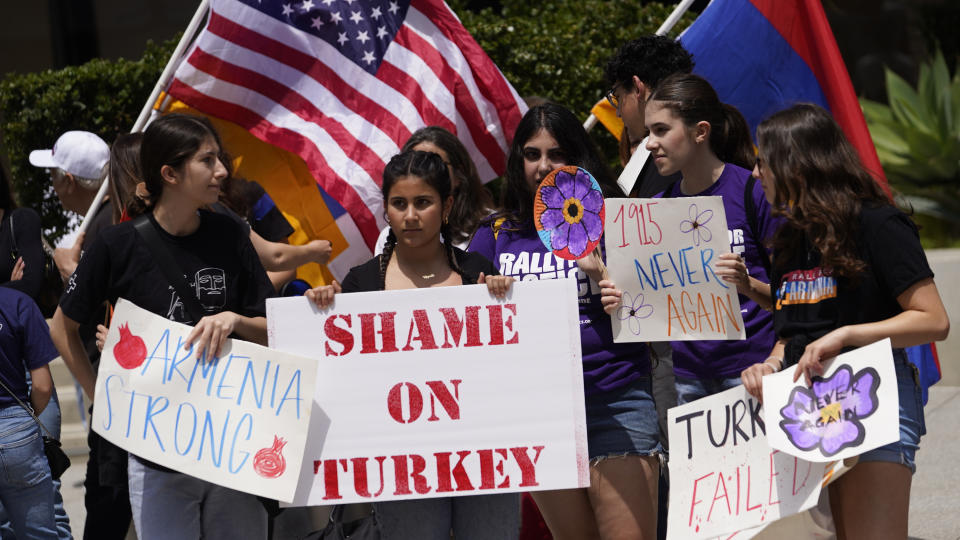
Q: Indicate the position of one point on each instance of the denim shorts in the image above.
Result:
(623, 422)
(693, 389)
(912, 425)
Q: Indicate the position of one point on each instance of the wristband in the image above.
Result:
(779, 359)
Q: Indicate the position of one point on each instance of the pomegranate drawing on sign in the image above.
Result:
(269, 462)
(130, 351)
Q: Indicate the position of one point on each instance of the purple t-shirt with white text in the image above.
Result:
(518, 252)
(727, 358)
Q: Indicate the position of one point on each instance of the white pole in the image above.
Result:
(591, 121)
(671, 21)
(162, 83)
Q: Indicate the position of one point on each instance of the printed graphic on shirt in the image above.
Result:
(737, 244)
(806, 287)
(530, 266)
(210, 285)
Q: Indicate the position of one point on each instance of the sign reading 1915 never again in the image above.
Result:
(439, 392)
(661, 253)
(239, 420)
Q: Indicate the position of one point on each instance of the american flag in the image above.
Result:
(344, 83)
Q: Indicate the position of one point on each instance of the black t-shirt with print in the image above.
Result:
(217, 260)
(809, 302)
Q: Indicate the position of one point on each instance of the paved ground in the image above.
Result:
(935, 500)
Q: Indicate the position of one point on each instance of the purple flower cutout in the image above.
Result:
(572, 213)
(696, 225)
(828, 414)
(633, 309)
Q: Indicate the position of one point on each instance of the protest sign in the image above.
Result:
(661, 254)
(440, 392)
(239, 420)
(724, 476)
(854, 407)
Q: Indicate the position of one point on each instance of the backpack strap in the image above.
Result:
(171, 270)
(750, 206)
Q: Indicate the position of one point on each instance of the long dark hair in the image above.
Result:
(692, 99)
(6, 195)
(124, 172)
(430, 168)
(471, 201)
(820, 186)
(517, 198)
(171, 140)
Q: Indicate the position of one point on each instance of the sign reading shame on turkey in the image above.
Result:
(661, 253)
(239, 420)
(440, 392)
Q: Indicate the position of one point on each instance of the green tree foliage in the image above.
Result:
(101, 96)
(917, 135)
(558, 49)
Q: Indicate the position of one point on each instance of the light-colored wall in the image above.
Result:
(946, 269)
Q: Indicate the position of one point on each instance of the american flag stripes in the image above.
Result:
(343, 84)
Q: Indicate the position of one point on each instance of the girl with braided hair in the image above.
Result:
(420, 252)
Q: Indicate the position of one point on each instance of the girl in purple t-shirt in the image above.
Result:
(622, 434)
(708, 142)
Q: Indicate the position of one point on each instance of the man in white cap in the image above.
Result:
(76, 164)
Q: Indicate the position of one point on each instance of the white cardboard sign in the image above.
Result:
(440, 392)
(854, 407)
(239, 420)
(724, 476)
(661, 254)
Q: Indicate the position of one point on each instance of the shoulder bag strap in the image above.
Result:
(13, 237)
(750, 206)
(171, 270)
(28, 409)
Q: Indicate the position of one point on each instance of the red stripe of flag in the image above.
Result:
(402, 82)
(466, 106)
(329, 180)
(292, 101)
(357, 101)
(489, 79)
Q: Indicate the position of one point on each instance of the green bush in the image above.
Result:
(917, 136)
(101, 96)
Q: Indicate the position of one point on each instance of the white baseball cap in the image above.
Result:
(79, 153)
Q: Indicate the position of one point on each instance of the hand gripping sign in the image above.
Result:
(852, 408)
(439, 392)
(661, 254)
(239, 420)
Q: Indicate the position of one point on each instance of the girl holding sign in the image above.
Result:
(180, 163)
(708, 143)
(622, 432)
(848, 271)
(420, 252)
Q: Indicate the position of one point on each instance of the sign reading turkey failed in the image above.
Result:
(238, 420)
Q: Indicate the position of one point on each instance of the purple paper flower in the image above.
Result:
(828, 414)
(572, 213)
(633, 309)
(696, 225)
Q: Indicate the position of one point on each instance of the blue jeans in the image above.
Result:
(693, 389)
(623, 422)
(26, 488)
(912, 424)
(480, 517)
(169, 504)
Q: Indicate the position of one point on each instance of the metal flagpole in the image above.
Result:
(162, 83)
(667, 25)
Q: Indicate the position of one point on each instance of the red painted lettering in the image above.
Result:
(368, 332)
(488, 466)
(693, 499)
(395, 402)
(338, 334)
(528, 471)
(453, 328)
(360, 476)
(449, 402)
(446, 476)
(424, 331)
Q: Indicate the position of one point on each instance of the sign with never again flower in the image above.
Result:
(661, 253)
(854, 407)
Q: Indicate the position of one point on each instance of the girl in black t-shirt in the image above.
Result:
(848, 271)
(180, 163)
